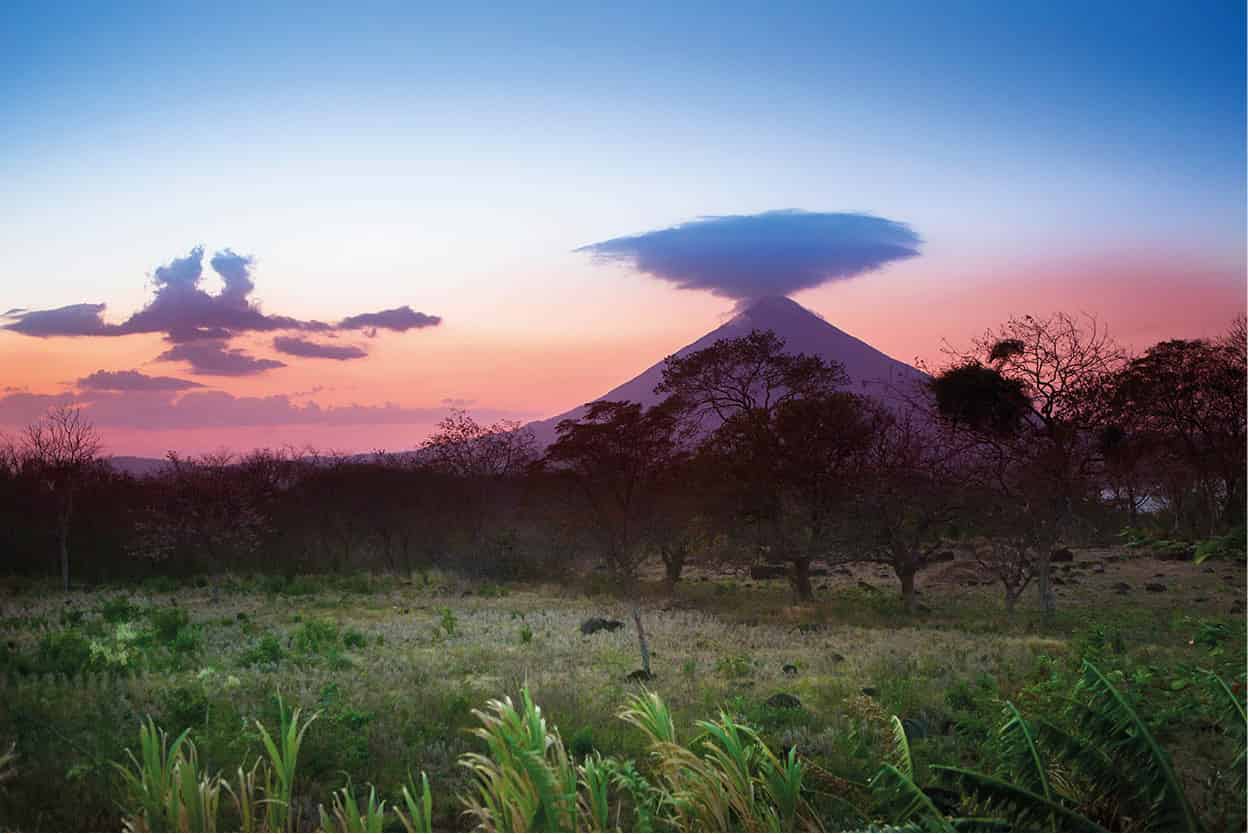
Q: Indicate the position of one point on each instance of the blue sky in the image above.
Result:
(452, 156)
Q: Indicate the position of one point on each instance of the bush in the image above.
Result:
(168, 622)
(314, 637)
(267, 650)
(65, 652)
(119, 610)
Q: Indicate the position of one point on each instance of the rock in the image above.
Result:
(1155, 587)
(596, 624)
(835, 657)
(1181, 554)
(1099, 567)
(789, 669)
(768, 571)
(783, 700)
(1061, 554)
(870, 691)
(639, 676)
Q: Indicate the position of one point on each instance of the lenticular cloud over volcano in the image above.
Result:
(748, 256)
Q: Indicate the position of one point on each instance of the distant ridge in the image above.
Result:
(870, 371)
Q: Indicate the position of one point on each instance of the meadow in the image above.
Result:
(393, 667)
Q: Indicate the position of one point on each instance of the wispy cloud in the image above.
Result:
(214, 358)
(295, 346)
(133, 381)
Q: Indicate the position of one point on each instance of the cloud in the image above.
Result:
(184, 312)
(133, 381)
(159, 410)
(400, 319)
(773, 253)
(74, 320)
(214, 358)
(295, 346)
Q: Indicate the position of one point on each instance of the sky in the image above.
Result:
(326, 226)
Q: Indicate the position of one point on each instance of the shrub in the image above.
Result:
(167, 622)
(119, 610)
(267, 650)
(63, 652)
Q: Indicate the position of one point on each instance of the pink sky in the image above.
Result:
(531, 357)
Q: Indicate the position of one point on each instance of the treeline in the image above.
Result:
(1044, 433)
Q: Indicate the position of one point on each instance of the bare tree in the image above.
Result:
(62, 449)
(1031, 396)
(765, 407)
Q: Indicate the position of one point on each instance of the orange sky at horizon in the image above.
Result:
(517, 366)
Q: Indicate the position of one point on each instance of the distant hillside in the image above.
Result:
(870, 371)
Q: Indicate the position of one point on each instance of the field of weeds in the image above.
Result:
(395, 667)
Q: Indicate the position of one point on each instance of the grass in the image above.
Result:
(395, 687)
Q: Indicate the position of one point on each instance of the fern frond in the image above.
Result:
(899, 756)
(903, 802)
(1020, 806)
(1235, 721)
(1144, 765)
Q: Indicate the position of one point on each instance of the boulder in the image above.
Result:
(764, 570)
(783, 700)
(596, 624)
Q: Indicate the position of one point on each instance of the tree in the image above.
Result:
(906, 497)
(619, 454)
(62, 449)
(479, 458)
(767, 409)
(464, 447)
(1183, 402)
(1033, 413)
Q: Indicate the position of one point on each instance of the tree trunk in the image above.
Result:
(1044, 584)
(62, 538)
(801, 580)
(906, 575)
(641, 638)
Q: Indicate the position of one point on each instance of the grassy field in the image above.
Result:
(395, 666)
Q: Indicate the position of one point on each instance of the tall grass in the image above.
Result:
(1051, 774)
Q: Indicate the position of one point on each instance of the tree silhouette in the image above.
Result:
(62, 449)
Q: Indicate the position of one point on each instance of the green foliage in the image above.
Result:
(119, 610)
(417, 811)
(735, 666)
(448, 622)
(267, 650)
(168, 621)
(1232, 545)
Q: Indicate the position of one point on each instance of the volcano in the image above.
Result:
(871, 372)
